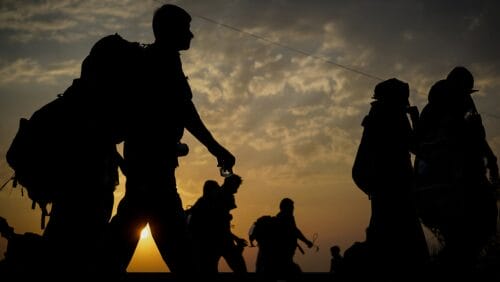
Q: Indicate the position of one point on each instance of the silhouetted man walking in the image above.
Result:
(157, 118)
(454, 158)
(395, 239)
(210, 226)
(336, 260)
(290, 234)
(229, 245)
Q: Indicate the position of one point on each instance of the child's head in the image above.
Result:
(5, 229)
(232, 183)
(335, 250)
(210, 187)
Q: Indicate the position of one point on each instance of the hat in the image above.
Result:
(461, 78)
(392, 90)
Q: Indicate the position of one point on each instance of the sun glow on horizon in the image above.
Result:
(145, 232)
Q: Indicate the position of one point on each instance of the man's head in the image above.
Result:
(171, 27)
(5, 230)
(461, 79)
(286, 205)
(210, 187)
(335, 250)
(232, 183)
(392, 91)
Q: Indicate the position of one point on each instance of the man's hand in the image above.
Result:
(224, 158)
(309, 244)
(493, 172)
(241, 242)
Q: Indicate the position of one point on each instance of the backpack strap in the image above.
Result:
(13, 179)
(45, 213)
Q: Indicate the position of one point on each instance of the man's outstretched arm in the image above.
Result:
(195, 126)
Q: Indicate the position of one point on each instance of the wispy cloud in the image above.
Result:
(60, 20)
(29, 71)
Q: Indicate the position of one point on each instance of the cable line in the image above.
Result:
(302, 52)
(276, 43)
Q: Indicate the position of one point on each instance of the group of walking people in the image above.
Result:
(447, 186)
(137, 94)
(450, 186)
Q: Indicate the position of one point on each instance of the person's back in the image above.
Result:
(391, 134)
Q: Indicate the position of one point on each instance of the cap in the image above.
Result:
(461, 78)
(392, 90)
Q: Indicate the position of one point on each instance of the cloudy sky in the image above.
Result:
(277, 88)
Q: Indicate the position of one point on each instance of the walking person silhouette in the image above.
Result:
(210, 227)
(277, 238)
(336, 260)
(290, 235)
(455, 195)
(395, 240)
(157, 119)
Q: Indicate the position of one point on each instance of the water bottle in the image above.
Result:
(225, 172)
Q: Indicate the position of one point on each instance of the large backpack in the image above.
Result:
(385, 128)
(46, 152)
(40, 152)
(110, 72)
(264, 230)
(362, 168)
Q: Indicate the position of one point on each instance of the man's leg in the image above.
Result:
(169, 230)
(124, 234)
(234, 258)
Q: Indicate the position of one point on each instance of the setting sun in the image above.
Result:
(145, 232)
